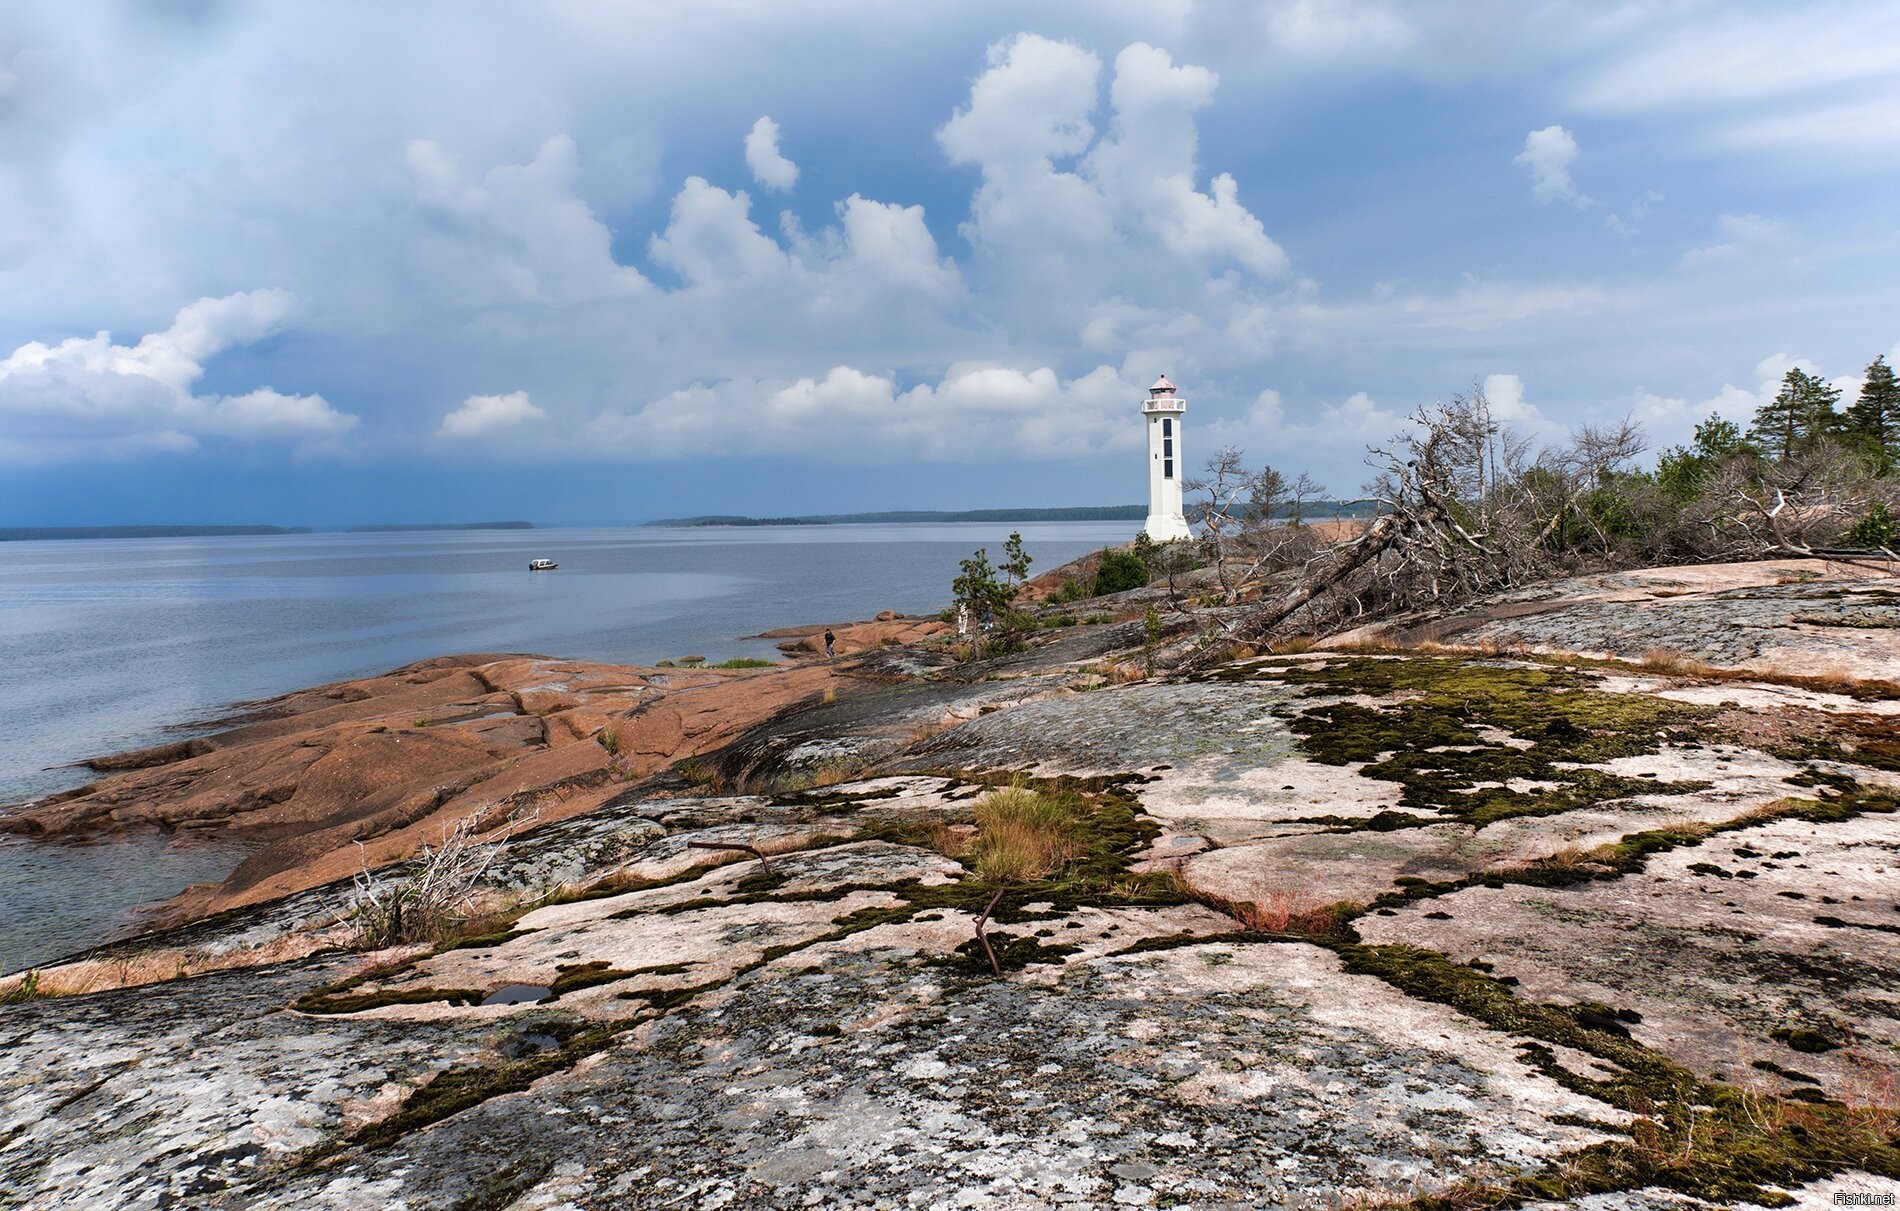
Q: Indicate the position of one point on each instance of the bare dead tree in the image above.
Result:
(1463, 509)
(1222, 488)
(1303, 491)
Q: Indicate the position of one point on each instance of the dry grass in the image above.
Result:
(1673, 663)
(434, 898)
(1277, 912)
(1021, 835)
(1574, 863)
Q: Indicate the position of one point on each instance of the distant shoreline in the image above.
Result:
(30, 533)
(464, 525)
(60, 533)
(1313, 510)
(1082, 513)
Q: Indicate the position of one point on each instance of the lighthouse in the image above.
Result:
(1163, 410)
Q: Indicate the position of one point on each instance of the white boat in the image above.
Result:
(542, 565)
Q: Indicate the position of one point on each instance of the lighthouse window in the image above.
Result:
(1167, 426)
(1167, 469)
(1167, 447)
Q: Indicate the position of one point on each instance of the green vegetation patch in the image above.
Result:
(1701, 1138)
(331, 1001)
(1437, 735)
(574, 977)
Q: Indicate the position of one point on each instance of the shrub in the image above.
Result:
(1878, 529)
(1120, 571)
(745, 662)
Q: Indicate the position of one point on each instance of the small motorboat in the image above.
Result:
(542, 565)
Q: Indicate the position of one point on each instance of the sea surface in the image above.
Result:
(112, 644)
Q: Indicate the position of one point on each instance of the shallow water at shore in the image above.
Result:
(56, 898)
(107, 645)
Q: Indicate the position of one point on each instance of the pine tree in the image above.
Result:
(1800, 415)
(1016, 561)
(1875, 417)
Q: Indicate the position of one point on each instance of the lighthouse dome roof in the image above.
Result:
(1162, 384)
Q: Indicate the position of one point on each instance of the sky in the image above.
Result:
(326, 262)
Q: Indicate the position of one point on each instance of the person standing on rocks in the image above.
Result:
(830, 639)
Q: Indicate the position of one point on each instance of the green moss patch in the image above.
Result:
(574, 977)
(331, 1002)
(1701, 1138)
(1437, 736)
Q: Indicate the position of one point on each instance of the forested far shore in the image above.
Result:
(43, 533)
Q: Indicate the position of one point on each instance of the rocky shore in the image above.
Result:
(1585, 897)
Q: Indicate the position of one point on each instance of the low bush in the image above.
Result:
(1120, 571)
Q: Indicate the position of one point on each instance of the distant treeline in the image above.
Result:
(1312, 510)
(1095, 513)
(27, 533)
(464, 525)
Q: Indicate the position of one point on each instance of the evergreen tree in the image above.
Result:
(1875, 417)
(1800, 415)
(1016, 561)
(1683, 471)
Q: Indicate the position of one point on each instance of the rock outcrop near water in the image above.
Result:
(1493, 924)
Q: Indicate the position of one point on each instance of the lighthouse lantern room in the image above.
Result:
(1163, 409)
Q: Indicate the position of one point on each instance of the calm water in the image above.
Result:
(107, 645)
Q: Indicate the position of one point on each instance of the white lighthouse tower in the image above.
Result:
(1164, 410)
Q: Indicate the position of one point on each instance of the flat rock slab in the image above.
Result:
(1215, 1074)
(163, 1096)
(1231, 727)
(1717, 946)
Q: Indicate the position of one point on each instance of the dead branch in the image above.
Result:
(983, 938)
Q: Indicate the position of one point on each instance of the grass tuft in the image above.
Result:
(1021, 835)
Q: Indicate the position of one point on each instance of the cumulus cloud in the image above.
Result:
(87, 393)
(1056, 198)
(974, 411)
(481, 415)
(1671, 420)
(769, 167)
(1547, 156)
(519, 234)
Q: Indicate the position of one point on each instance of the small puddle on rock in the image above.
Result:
(518, 994)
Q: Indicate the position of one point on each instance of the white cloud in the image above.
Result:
(973, 411)
(1671, 420)
(1030, 108)
(1739, 237)
(1505, 394)
(1856, 127)
(1548, 155)
(1056, 200)
(88, 394)
(1722, 58)
(522, 233)
(1631, 220)
(480, 415)
(769, 168)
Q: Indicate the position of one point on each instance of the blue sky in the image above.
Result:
(574, 262)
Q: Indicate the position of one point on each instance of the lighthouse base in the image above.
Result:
(1166, 527)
